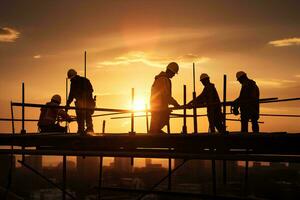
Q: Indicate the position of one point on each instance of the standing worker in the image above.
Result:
(210, 98)
(248, 102)
(161, 97)
(82, 91)
(49, 117)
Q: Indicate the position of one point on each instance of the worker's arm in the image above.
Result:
(167, 92)
(199, 99)
(71, 95)
(64, 116)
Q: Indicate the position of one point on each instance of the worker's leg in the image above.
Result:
(211, 123)
(219, 123)
(89, 122)
(244, 124)
(255, 126)
(80, 121)
(154, 126)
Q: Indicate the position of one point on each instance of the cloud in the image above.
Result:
(275, 83)
(151, 60)
(8, 34)
(297, 76)
(286, 42)
(37, 56)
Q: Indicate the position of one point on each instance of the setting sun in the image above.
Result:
(139, 104)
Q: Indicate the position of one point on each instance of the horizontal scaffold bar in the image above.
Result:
(270, 143)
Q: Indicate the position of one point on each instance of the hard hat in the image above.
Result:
(56, 98)
(173, 66)
(71, 73)
(203, 76)
(240, 74)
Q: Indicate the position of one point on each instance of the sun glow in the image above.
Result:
(139, 104)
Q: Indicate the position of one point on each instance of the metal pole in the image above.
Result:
(103, 126)
(85, 64)
(184, 128)
(224, 101)
(224, 126)
(66, 102)
(64, 174)
(246, 178)
(132, 120)
(214, 177)
(169, 162)
(100, 177)
(194, 98)
(132, 113)
(12, 118)
(147, 118)
(23, 131)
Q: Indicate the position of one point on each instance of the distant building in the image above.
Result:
(35, 162)
(5, 166)
(87, 167)
(122, 164)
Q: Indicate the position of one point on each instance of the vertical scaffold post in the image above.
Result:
(100, 177)
(66, 102)
(64, 174)
(214, 177)
(132, 119)
(132, 113)
(103, 126)
(85, 64)
(12, 118)
(147, 118)
(23, 131)
(184, 128)
(170, 161)
(224, 123)
(194, 97)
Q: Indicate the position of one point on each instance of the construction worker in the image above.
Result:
(210, 98)
(82, 91)
(49, 117)
(247, 102)
(161, 97)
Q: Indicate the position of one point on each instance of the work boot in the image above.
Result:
(89, 132)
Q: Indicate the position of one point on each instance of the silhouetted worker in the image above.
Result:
(82, 91)
(161, 98)
(248, 102)
(210, 98)
(50, 116)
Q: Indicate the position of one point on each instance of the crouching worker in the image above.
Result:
(49, 117)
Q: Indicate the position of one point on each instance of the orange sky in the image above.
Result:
(129, 42)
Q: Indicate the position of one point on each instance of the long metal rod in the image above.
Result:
(169, 162)
(214, 177)
(64, 177)
(147, 118)
(162, 180)
(45, 178)
(67, 90)
(194, 99)
(205, 156)
(246, 178)
(224, 125)
(100, 176)
(23, 109)
(85, 64)
(184, 128)
(130, 111)
(12, 118)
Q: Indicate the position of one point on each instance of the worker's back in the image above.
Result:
(160, 92)
(48, 115)
(81, 88)
(249, 97)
